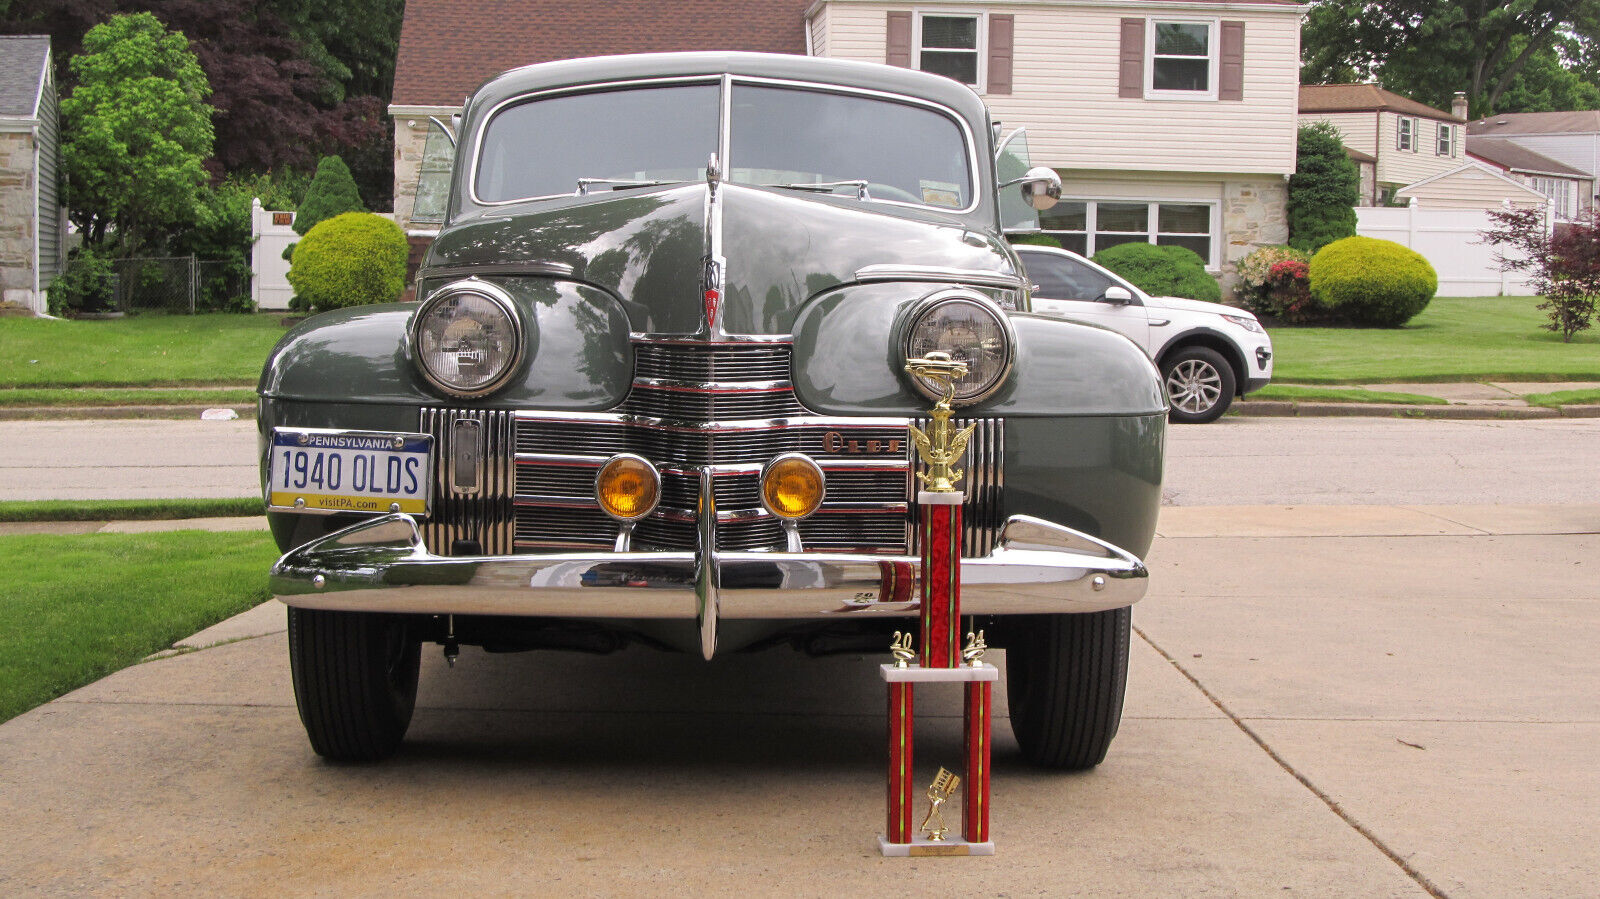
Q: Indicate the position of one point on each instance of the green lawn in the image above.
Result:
(144, 350)
(76, 608)
(1295, 392)
(128, 509)
(1565, 398)
(1454, 339)
(29, 397)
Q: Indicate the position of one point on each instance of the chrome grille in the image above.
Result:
(984, 480)
(729, 408)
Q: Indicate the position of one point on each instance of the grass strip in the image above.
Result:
(1300, 393)
(75, 609)
(143, 350)
(25, 397)
(1454, 339)
(128, 509)
(1564, 398)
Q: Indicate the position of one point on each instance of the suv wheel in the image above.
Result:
(355, 681)
(1065, 677)
(1200, 384)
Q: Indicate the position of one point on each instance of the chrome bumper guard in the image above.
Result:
(383, 565)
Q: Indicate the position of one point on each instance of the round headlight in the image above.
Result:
(627, 487)
(468, 337)
(971, 329)
(792, 486)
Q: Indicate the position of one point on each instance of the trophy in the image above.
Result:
(941, 659)
(941, 789)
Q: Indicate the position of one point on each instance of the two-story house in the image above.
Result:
(1171, 121)
(1409, 141)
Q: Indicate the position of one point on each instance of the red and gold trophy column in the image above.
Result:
(941, 658)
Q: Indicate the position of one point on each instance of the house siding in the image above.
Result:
(51, 256)
(1065, 89)
(1397, 166)
(1472, 188)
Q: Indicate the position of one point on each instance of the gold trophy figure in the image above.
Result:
(973, 652)
(900, 647)
(940, 790)
(937, 446)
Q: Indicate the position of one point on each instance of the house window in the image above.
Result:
(1446, 143)
(1406, 136)
(1560, 191)
(1088, 226)
(1182, 58)
(948, 46)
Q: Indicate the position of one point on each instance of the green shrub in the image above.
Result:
(1033, 240)
(349, 260)
(86, 285)
(332, 192)
(1372, 282)
(1162, 271)
(1323, 190)
(1267, 288)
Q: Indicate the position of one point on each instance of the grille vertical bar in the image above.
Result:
(485, 517)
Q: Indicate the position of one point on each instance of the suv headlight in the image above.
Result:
(1248, 323)
(972, 329)
(468, 337)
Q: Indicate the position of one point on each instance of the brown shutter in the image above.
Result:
(1002, 30)
(897, 47)
(1130, 68)
(1231, 74)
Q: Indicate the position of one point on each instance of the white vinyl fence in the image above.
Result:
(271, 233)
(1449, 239)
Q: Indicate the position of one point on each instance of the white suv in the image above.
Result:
(1208, 353)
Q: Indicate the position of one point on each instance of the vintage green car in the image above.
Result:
(654, 391)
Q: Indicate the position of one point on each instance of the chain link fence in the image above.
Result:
(179, 284)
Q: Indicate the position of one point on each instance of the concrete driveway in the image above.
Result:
(1333, 701)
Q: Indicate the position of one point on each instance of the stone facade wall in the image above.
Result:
(17, 216)
(1255, 214)
(410, 137)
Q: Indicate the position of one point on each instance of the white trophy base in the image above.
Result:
(922, 847)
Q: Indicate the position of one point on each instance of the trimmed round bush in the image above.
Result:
(349, 260)
(1372, 282)
(1162, 271)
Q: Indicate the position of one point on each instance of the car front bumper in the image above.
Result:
(383, 565)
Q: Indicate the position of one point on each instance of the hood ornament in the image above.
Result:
(938, 447)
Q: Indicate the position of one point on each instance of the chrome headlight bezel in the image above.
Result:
(938, 301)
(498, 298)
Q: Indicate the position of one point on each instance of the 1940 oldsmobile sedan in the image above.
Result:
(654, 391)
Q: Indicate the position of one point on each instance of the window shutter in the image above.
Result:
(897, 46)
(1002, 29)
(1231, 73)
(1130, 68)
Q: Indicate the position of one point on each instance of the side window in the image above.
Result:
(1182, 57)
(1406, 134)
(949, 47)
(1061, 278)
(433, 180)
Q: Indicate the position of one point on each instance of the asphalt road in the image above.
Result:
(1240, 461)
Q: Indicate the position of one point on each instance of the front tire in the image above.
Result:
(355, 681)
(1200, 385)
(1065, 679)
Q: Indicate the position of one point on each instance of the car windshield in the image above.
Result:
(869, 147)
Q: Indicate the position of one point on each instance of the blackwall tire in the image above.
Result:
(1200, 385)
(355, 681)
(1065, 679)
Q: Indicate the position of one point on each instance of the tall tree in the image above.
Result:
(136, 130)
(1323, 190)
(1429, 49)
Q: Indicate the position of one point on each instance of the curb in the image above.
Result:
(1287, 409)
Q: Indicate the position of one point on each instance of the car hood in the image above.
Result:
(1188, 305)
(648, 249)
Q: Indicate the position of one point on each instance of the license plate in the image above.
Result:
(349, 471)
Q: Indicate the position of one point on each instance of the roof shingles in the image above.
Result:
(1315, 98)
(449, 48)
(22, 61)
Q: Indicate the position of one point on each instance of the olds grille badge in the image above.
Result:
(835, 442)
(711, 284)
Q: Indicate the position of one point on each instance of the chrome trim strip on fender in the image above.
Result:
(940, 274)
(1036, 567)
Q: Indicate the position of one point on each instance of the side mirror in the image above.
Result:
(1041, 187)
(1118, 295)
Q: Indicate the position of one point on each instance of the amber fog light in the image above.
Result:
(628, 487)
(792, 486)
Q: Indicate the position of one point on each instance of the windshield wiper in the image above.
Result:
(620, 183)
(826, 187)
